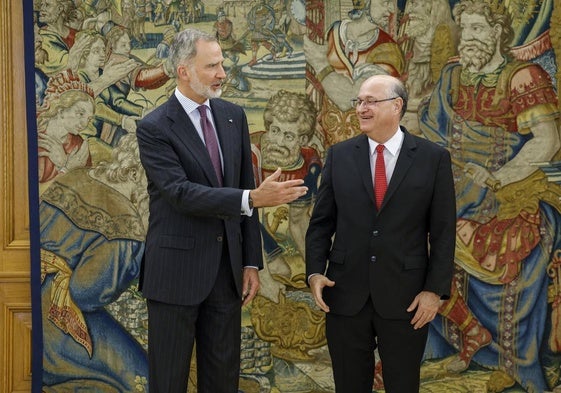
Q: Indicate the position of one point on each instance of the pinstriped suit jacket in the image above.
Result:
(191, 218)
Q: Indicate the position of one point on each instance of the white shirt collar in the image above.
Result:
(393, 145)
(188, 104)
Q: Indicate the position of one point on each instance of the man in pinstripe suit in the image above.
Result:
(203, 248)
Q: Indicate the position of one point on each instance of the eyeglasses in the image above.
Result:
(369, 102)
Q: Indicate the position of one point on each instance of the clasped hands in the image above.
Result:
(272, 192)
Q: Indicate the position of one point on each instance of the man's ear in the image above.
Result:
(398, 104)
(183, 72)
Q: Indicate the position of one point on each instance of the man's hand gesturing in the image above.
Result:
(273, 192)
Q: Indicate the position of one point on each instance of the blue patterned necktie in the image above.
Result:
(211, 143)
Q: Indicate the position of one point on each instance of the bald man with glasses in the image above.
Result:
(380, 244)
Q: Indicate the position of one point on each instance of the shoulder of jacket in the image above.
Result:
(347, 143)
(429, 145)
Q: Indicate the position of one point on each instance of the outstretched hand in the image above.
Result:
(273, 192)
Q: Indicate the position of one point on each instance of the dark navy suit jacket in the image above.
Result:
(191, 217)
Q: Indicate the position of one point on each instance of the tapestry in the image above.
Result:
(294, 66)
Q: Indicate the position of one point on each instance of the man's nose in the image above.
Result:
(221, 73)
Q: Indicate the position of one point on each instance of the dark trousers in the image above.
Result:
(352, 340)
(215, 326)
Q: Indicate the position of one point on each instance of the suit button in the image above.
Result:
(373, 258)
(375, 233)
(219, 238)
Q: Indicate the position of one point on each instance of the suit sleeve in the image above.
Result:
(322, 223)
(442, 230)
(252, 245)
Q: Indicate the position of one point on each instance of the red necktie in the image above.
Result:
(380, 182)
(211, 143)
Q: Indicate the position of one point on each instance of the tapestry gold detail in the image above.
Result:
(554, 297)
(292, 328)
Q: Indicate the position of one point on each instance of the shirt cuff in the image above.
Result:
(311, 275)
(246, 211)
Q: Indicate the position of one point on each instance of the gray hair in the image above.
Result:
(184, 46)
(398, 89)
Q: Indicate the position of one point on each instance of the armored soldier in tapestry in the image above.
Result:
(483, 82)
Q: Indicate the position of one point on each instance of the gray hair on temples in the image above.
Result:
(398, 89)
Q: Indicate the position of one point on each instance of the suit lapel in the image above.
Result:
(185, 131)
(225, 128)
(363, 165)
(402, 165)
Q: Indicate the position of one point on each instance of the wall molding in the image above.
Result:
(15, 293)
